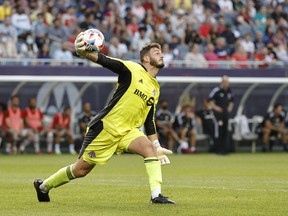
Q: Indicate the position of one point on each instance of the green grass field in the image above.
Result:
(203, 184)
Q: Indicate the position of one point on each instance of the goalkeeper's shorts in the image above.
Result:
(99, 145)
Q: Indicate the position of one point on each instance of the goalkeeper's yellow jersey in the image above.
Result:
(134, 101)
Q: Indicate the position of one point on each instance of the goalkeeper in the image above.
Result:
(115, 129)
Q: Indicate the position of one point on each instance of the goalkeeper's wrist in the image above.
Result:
(156, 143)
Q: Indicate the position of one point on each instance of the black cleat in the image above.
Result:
(42, 197)
(161, 200)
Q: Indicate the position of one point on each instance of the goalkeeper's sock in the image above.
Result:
(153, 169)
(63, 176)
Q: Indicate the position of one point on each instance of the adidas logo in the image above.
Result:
(141, 81)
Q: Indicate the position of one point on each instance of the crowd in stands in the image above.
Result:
(189, 30)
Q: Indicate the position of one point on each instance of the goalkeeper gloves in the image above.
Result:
(79, 45)
(162, 153)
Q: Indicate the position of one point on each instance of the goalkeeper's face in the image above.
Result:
(156, 58)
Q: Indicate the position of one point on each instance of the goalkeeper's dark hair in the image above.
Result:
(147, 48)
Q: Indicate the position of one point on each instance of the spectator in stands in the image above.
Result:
(259, 42)
(28, 49)
(279, 13)
(8, 39)
(138, 10)
(240, 57)
(194, 58)
(69, 19)
(133, 27)
(220, 49)
(40, 30)
(248, 46)
(237, 5)
(273, 125)
(198, 10)
(2, 115)
(117, 49)
(33, 126)
(211, 56)
(86, 116)
(61, 128)
(281, 52)
(178, 22)
(168, 55)
(261, 18)
(44, 53)
(212, 5)
(184, 125)
(228, 35)
(164, 124)
(191, 36)
(213, 35)
(269, 31)
(262, 58)
(205, 28)
(140, 39)
(5, 10)
(20, 20)
(209, 123)
(88, 23)
(226, 6)
(181, 50)
(63, 54)
(222, 103)
(8, 30)
(57, 32)
(13, 125)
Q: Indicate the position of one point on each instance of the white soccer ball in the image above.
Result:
(93, 40)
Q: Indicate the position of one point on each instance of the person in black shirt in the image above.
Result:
(273, 125)
(164, 125)
(85, 118)
(222, 103)
(184, 124)
(209, 123)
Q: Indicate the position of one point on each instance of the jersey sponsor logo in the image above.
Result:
(149, 101)
(141, 81)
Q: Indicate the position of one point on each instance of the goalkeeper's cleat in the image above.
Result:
(161, 200)
(42, 197)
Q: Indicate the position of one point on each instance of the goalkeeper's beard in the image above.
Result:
(154, 63)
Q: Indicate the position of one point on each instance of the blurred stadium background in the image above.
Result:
(201, 39)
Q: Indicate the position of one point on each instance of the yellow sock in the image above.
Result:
(62, 176)
(153, 169)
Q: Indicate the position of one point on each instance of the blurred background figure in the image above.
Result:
(86, 116)
(3, 108)
(13, 125)
(184, 125)
(273, 126)
(33, 126)
(222, 102)
(61, 129)
(164, 125)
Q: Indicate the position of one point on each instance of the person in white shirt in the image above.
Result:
(117, 49)
(248, 45)
(226, 6)
(194, 58)
(21, 21)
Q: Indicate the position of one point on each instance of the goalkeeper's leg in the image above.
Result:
(144, 147)
(80, 169)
